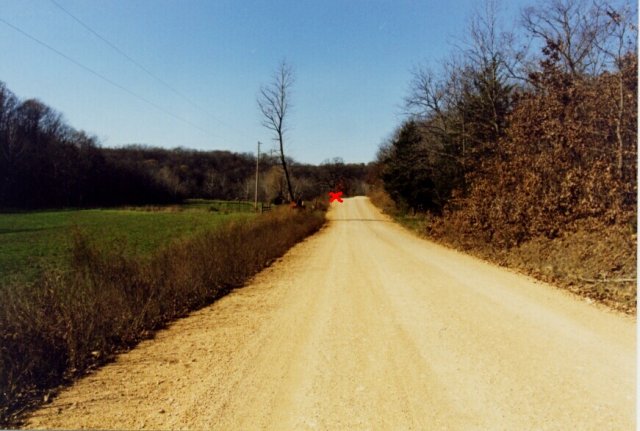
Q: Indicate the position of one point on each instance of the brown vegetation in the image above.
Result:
(65, 323)
(596, 261)
(529, 160)
(561, 162)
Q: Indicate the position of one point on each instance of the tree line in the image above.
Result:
(45, 163)
(523, 133)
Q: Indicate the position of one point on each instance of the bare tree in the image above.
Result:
(426, 98)
(618, 42)
(462, 109)
(572, 29)
(485, 47)
(274, 103)
(10, 149)
(490, 65)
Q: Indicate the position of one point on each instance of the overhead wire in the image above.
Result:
(104, 78)
(140, 66)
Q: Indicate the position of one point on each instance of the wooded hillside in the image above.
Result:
(45, 163)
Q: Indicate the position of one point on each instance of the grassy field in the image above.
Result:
(33, 241)
(110, 296)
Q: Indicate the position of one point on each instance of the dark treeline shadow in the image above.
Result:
(45, 163)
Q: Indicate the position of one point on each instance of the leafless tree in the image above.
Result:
(427, 97)
(572, 29)
(618, 42)
(484, 46)
(10, 148)
(489, 62)
(274, 103)
(621, 35)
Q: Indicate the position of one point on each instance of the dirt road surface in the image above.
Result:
(366, 326)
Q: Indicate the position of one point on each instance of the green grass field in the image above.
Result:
(33, 241)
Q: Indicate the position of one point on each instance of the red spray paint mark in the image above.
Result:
(335, 196)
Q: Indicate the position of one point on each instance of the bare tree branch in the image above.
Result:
(274, 104)
(572, 29)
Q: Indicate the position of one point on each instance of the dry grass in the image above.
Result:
(65, 323)
(382, 200)
(594, 261)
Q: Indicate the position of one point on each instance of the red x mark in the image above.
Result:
(335, 196)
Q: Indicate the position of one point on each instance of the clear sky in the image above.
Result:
(352, 61)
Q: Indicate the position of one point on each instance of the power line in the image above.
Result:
(104, 78)
(140, 66)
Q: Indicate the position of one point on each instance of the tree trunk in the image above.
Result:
(619, 126)
(284, 167)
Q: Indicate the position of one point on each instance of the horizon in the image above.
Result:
(189, 76)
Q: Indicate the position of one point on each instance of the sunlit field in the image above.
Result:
(33, 241)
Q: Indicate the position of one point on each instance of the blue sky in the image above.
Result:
(352, 62)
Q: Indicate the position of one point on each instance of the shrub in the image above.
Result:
(64, 323)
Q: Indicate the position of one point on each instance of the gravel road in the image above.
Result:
(366, 326)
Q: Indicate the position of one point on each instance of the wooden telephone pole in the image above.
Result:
(255, 203)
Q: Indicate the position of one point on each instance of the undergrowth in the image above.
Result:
(592, 259)
(64, 323)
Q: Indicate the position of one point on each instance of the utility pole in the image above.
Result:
(255, 204)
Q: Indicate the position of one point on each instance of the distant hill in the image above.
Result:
(45, 163)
